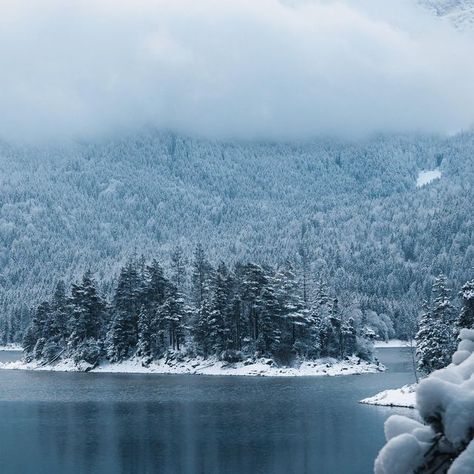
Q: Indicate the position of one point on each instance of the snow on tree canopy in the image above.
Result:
(445, 401)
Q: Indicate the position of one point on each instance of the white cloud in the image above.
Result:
(233, 68)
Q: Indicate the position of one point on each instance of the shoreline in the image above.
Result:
(11, 348)
(404, 397)
(211, 366)
(392, 343)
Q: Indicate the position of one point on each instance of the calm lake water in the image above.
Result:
(68, 423)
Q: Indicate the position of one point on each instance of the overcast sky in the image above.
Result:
(231, 68)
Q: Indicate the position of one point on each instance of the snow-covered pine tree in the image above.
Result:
(466, 316)
(292, 304)
(173, 314)
(435, 339)
(349, 336)
(88, 313)
(59, 314)
(322, 331)
(201, 327)
(154, 286)
(123, 332)
(253, 280)
(178, 269)
(202, 279)
(34, 339)
(145, 335)
(269, 341)
(201, 276)
(220, 317)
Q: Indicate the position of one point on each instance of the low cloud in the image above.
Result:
(231, 68)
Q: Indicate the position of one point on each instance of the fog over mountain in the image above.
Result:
(258, 128)
(234, 69)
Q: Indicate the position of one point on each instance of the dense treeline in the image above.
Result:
(370, 233)
(247, 311)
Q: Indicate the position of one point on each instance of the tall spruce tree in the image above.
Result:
(202, 276)
(173, 315)
(145, 335)
(435, 339)
(466, 316)
(88, 311)
(123, 332)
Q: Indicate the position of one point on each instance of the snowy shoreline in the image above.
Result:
(404, 397)
(199, 366)
(391, 343)
(11, 348)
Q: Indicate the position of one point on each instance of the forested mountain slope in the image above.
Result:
(353, 207)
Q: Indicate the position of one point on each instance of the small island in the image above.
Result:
(246, 320)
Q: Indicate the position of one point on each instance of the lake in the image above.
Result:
(68, 423)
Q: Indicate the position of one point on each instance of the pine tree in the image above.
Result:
(435, 341)
(247, 311)
(145, 335)
(59, 314)
(123, 333)
(254, 279)
(269, 342)
(349, 336)
(178, 269)
(202, 275)
(201, 328)
(173, 314)
(34, 339)
(321, 313)
(305, 262)
(154, 287)
(466, 316)
(88, 312)
(220, 320)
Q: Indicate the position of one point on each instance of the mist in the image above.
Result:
(245, 69)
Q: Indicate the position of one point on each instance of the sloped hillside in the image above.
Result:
(354, 207)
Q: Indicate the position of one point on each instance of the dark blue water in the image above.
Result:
(70, 423)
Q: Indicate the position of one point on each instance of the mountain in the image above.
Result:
(459, 12)
(371, 233)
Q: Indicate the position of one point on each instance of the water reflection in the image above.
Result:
(97, 423)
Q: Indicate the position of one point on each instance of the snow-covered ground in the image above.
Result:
(427, 176)
(399, 397)
(391, 343)
(11, 347)
(199, 366)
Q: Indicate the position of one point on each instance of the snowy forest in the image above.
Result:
(237, 236)
(346, 213)
(248, 310)
(229, 313)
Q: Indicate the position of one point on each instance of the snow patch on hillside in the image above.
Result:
(212, 366)
(399, 397)
(427, 176)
